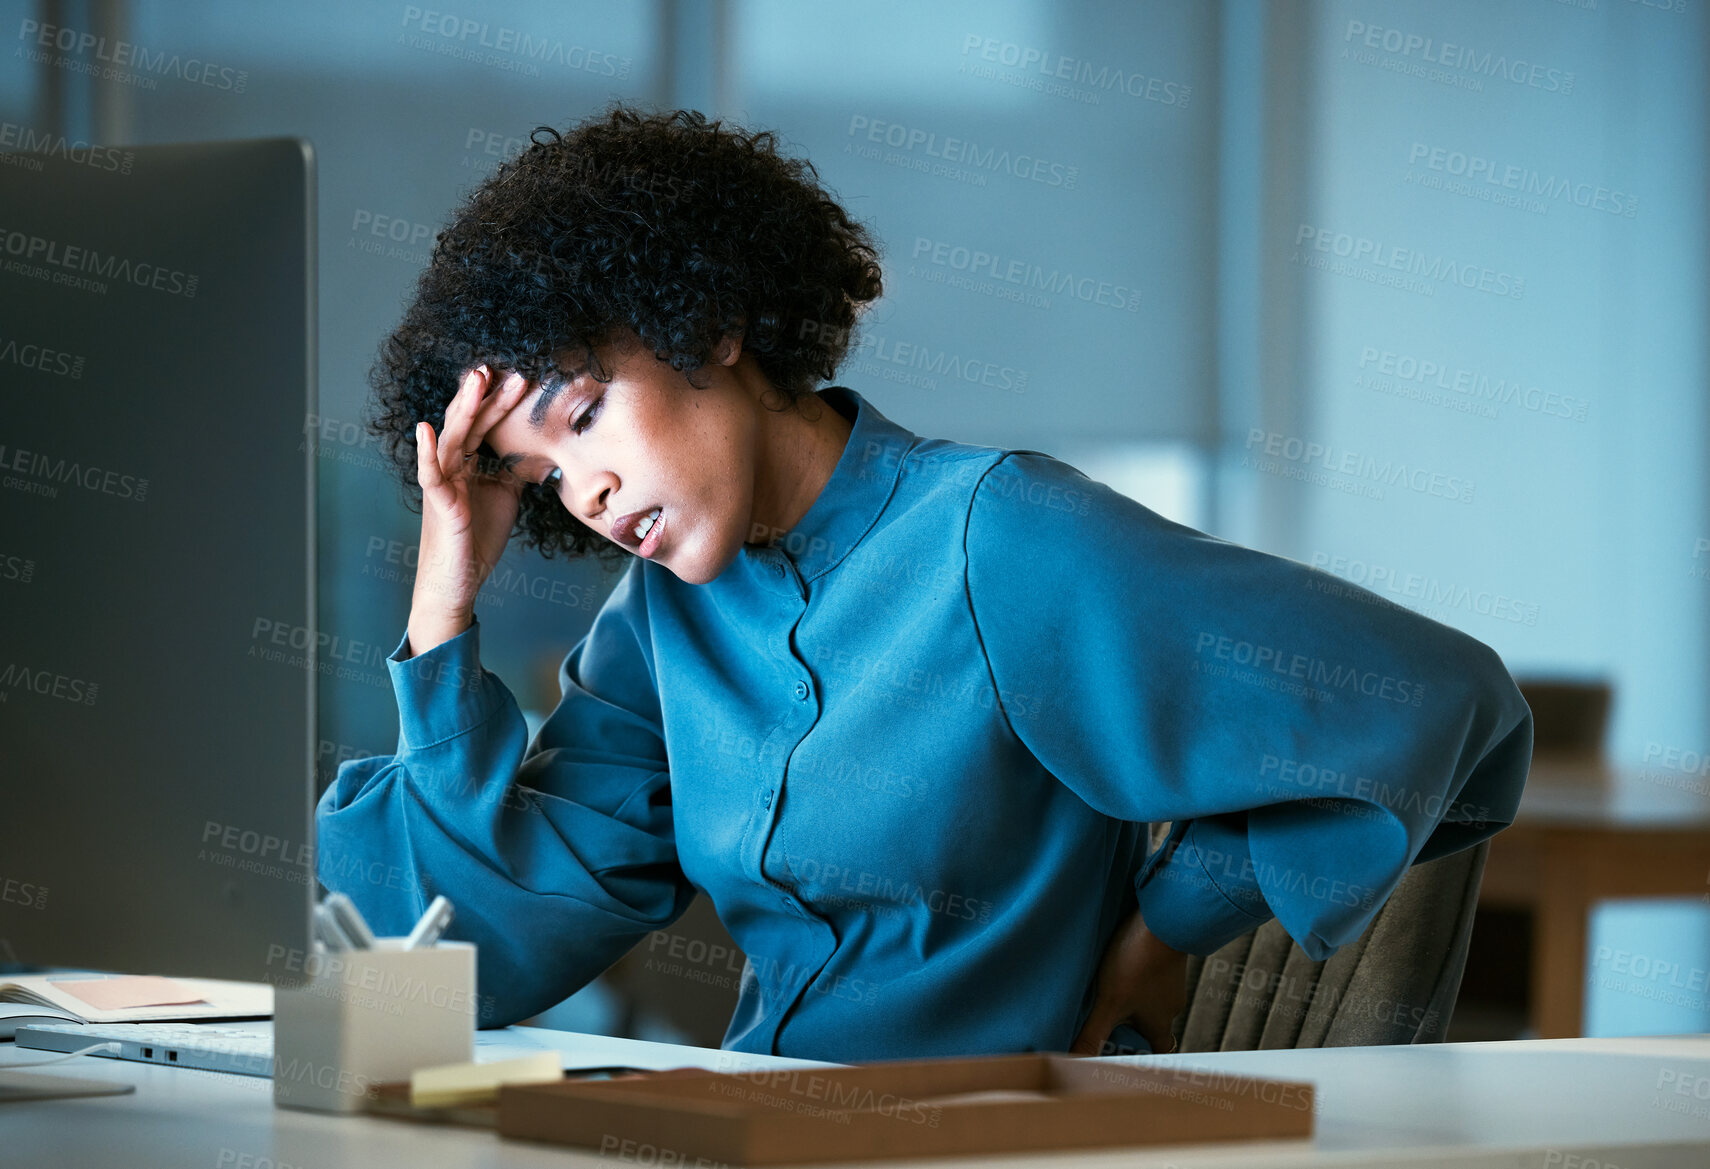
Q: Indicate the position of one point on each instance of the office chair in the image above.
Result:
(1395, 983)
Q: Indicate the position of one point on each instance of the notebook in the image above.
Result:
(82, 996)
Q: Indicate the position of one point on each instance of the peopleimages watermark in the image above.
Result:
(922, 688)
(1682, 1085)
(800, 1089)
(863, 889)
(41, 358)
(337, 870)
(1318, 671)
(36, 473)
(391, 237)
(1508, 184)
(123, 61)
(1445, 61)
(20, 569)
(399, 563)
(1296, 774)
(19, 678)
(29, 894)
(484, 149)
(259, 853)
(345, 978)
(57, 262)
(917, 363)
(1011, 278)
(1642, 966)
(695, 959)
(1323, 582)
(343, 441)
(1245, 877)
(715, 964)
(34, 145)
(1059, 75)
(1676, 759)
(330, 756)
(230, 1158)
(1674, 767)
(1385, 472)
(1657, 980)
(980, 161)
(652, 1156)
(844, 771)
(334, 655)
(1480, 390)
(1294, 997)
(1436, 596)
(502, 46)
(1409, 269)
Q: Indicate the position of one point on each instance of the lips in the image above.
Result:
(623, 528)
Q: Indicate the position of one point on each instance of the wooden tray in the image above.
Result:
(993, 1104)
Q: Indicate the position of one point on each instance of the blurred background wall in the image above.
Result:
(1412, 291)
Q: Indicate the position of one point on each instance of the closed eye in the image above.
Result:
(587, 418)
(577, 426)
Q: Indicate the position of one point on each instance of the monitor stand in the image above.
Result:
(31, 1086)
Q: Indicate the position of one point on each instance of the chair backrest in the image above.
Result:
(1395, 983)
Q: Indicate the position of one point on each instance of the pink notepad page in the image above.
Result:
(128, 991)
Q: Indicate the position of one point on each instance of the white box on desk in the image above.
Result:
(370, 1016)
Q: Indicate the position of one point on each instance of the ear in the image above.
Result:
(728, 350)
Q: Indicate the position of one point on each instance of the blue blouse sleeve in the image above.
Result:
(557, 855)
(1307, 739)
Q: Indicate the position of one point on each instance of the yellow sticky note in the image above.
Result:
(477, 1083)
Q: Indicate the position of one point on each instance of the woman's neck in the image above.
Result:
(800, 448)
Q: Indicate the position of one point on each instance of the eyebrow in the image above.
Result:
(550, 388)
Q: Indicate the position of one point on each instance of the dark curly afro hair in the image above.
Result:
(663, 225)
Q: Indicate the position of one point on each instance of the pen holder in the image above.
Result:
(371, 1016)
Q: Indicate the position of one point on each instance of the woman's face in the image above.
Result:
(645, 439)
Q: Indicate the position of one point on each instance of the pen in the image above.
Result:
(433, 922)
(350, 920)
(328, 930)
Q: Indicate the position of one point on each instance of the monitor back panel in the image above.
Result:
(157, 366)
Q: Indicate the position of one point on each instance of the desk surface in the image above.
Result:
(1635, 1103)
(1588, 792)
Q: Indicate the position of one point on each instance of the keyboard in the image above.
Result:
(244, 1049)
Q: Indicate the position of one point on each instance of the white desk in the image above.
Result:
(1555, 1104)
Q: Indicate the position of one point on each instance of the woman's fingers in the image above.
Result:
(509, 394)
(476, 408)
(427, 462)
(1103, 1020)
(459, 413)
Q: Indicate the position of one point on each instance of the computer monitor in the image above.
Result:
(157, 603)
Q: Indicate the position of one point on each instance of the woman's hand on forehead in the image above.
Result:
(494, 404)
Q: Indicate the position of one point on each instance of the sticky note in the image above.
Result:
(123, 993)
(475, 1083)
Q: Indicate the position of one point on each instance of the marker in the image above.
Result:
(327, 928)
(433, 922)
(350, 920)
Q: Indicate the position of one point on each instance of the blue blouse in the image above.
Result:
(911, 751)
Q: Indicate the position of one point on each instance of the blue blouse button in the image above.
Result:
(777, 570)
(801, 690)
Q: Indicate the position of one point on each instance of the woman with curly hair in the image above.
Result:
(902, 707)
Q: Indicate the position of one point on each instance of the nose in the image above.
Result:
(590, 497)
